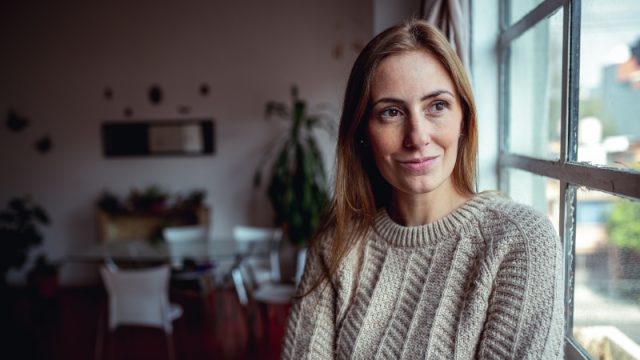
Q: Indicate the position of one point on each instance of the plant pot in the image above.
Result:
(288, 259)
(43, 285)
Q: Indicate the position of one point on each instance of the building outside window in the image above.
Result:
(570, 146)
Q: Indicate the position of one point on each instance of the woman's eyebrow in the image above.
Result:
(430, 95)
(436, 94)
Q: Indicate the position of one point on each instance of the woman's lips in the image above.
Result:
(418, 164)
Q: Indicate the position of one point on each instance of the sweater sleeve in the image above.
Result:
(310, 332)
(525, 317)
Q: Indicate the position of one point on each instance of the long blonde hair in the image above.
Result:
(360, 190)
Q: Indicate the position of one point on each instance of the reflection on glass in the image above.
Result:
(535, 91)
(609, 127)
(607, 275)
(519, 8)
(537, 191)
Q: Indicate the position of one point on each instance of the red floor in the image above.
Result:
(66, 327)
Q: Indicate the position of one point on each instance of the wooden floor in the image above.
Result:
(67, 327)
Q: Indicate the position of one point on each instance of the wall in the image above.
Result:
(57, 58)
(387, 13)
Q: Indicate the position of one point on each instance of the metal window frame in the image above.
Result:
(567, 170)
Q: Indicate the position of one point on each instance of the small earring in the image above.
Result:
(362, 142)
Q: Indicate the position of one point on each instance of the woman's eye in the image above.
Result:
(439, 106)
(392, 112)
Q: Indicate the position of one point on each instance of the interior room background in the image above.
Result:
(59, 58)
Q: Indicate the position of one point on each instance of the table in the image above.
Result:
(214, 250)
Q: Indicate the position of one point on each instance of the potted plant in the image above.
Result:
(297, 184)
(150, 200)
(19, 231)
(43, 278)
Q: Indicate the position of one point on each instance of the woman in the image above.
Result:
(411, 262)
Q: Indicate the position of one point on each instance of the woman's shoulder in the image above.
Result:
(504, 216)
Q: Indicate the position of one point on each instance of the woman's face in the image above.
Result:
(415, 122)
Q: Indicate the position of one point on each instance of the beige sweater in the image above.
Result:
(483, 282)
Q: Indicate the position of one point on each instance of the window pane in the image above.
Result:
(535, 92)
(519, 8)
(537, 191)
(607, 275)
(609, 127)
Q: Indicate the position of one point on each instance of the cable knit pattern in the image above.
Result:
(484, 282)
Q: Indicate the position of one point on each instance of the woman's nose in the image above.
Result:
(417, 132)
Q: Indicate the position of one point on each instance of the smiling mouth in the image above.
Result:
(418, 164)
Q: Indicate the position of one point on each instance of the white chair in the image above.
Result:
(276, 293)
(139, 297)
(185, 233)
(266, 294)
(262, 268)
(187, 272)
(181, 234)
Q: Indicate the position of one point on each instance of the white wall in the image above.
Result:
(387, 13)
(57, 57)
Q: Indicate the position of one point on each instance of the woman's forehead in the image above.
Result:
(410, 72)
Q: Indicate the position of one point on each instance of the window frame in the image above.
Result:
(571, 173)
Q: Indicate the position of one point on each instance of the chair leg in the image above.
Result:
(266, 323)
(170, 348)
(238, 283)
(100, 334)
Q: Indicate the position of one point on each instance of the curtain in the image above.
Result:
(452, 17)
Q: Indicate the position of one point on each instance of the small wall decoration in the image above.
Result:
(184, 110)
(16, 122)
(204, 89)
(108, 93)
(44, 144)
(128, 112)
(160, 137)
(155, 94)
(338, 51)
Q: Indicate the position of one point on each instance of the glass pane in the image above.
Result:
(609, 126)
(535, 92)
(537, 191)
(607, 275)
(519, 8)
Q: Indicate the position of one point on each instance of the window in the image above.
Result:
(569, 118)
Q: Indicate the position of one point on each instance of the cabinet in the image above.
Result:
(145, 226)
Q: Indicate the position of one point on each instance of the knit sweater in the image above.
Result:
(484, 282)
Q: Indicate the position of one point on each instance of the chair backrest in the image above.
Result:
(138, 297)
(185, 233)
(244, 233)
(247, 235)
(302, 258)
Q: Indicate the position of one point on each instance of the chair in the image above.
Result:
(280, 294)
(269, 292)
(186, 272)
(262, 269)
(266, 294)
(139, 298)
(184, 233)
(181, 234)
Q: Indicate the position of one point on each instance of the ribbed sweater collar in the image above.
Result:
(431, 234)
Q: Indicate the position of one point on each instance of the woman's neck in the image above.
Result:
(412, 210)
